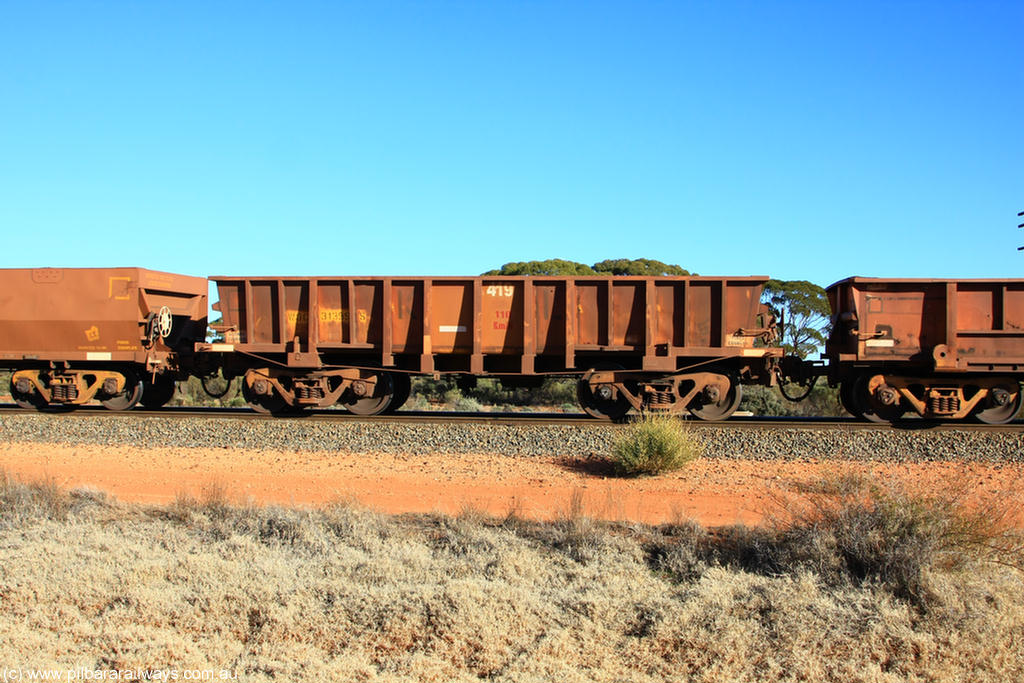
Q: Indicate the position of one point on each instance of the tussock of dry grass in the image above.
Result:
(653, 445)
(342, 592)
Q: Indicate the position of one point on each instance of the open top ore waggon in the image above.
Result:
(943, 349)
(119, 335)
(665, 343)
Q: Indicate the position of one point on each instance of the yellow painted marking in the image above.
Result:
(332, 315)
(92, 333)
(125, 297)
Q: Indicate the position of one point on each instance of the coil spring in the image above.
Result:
(943, 405)
(64, 392)
(307, 392)
(659, 399)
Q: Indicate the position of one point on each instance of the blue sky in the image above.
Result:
(802, 140)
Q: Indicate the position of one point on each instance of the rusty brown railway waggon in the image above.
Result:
(671, 344)
(941, 349)
(118, 335)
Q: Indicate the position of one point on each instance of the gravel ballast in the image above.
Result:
(526, 440)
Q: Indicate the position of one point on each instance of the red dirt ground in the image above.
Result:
(713, 492)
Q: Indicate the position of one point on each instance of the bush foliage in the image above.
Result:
(653, 445)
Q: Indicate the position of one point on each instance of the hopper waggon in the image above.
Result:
(941, 349)
(666, 343)
(118, 335)
(938, 349)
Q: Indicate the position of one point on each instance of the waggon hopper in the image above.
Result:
(118, 335)
(940, 349)
(674, 344)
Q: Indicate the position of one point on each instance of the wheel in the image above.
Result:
(403, 387)
(157, 394)
(31, 400)
(268, 404)
(377, 403)
(720, 410)
(1001, 414)
(869, 406)
(846, 398)
(595, 406)
(129, 397)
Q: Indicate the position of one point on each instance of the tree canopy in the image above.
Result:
(802, 309)
(555, 266)
(640, 266)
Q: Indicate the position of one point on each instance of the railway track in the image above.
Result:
(522, 419)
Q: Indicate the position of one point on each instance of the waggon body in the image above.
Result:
(315, 340)
(74, 334)
(940, 348)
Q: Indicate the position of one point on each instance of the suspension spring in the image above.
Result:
(943, 405)
(306, 392)
(659, 399)
(63, 392)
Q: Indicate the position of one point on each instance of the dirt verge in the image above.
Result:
(711, 491)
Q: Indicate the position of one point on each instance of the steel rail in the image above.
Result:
(523, 418)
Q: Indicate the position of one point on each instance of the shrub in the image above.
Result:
(654, 445)
(866, 531)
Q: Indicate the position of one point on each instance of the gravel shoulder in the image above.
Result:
(538, 472)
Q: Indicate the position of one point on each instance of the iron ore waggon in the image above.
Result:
(941, 349)
(660, 343)
(938, 349)
(119, 335)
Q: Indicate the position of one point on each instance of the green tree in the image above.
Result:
(554, 266)
(639, 266)
(622, 266)
(802, 309)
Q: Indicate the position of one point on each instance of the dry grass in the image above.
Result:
(653, 445)
(348, 594)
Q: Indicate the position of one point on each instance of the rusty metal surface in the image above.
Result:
(501, 325)
(95, 314)
(944, 325)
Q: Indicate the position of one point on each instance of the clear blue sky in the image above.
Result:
(802, 140)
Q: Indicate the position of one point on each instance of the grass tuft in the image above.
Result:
(654, 445)
(21, 502)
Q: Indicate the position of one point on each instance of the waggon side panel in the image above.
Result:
(91, 314)
(490, 324)
(949, 325)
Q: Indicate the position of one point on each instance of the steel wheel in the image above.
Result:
(870, 408)
(157, 394)
(846, 398)
(595, 406)
(1001, 414)
(128, 398)
(722, 409)
(403, 387)
(377, 403)
(31, 400)
(262, 403)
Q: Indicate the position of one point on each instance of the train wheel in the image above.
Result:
(29, 400)
(129, 397)
(157, 394)
(403, 387)
(1009, 394)
(267, 404)
(593, 404)
(847, 399)
(720, 409)
(375, 404)
(870, 407)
